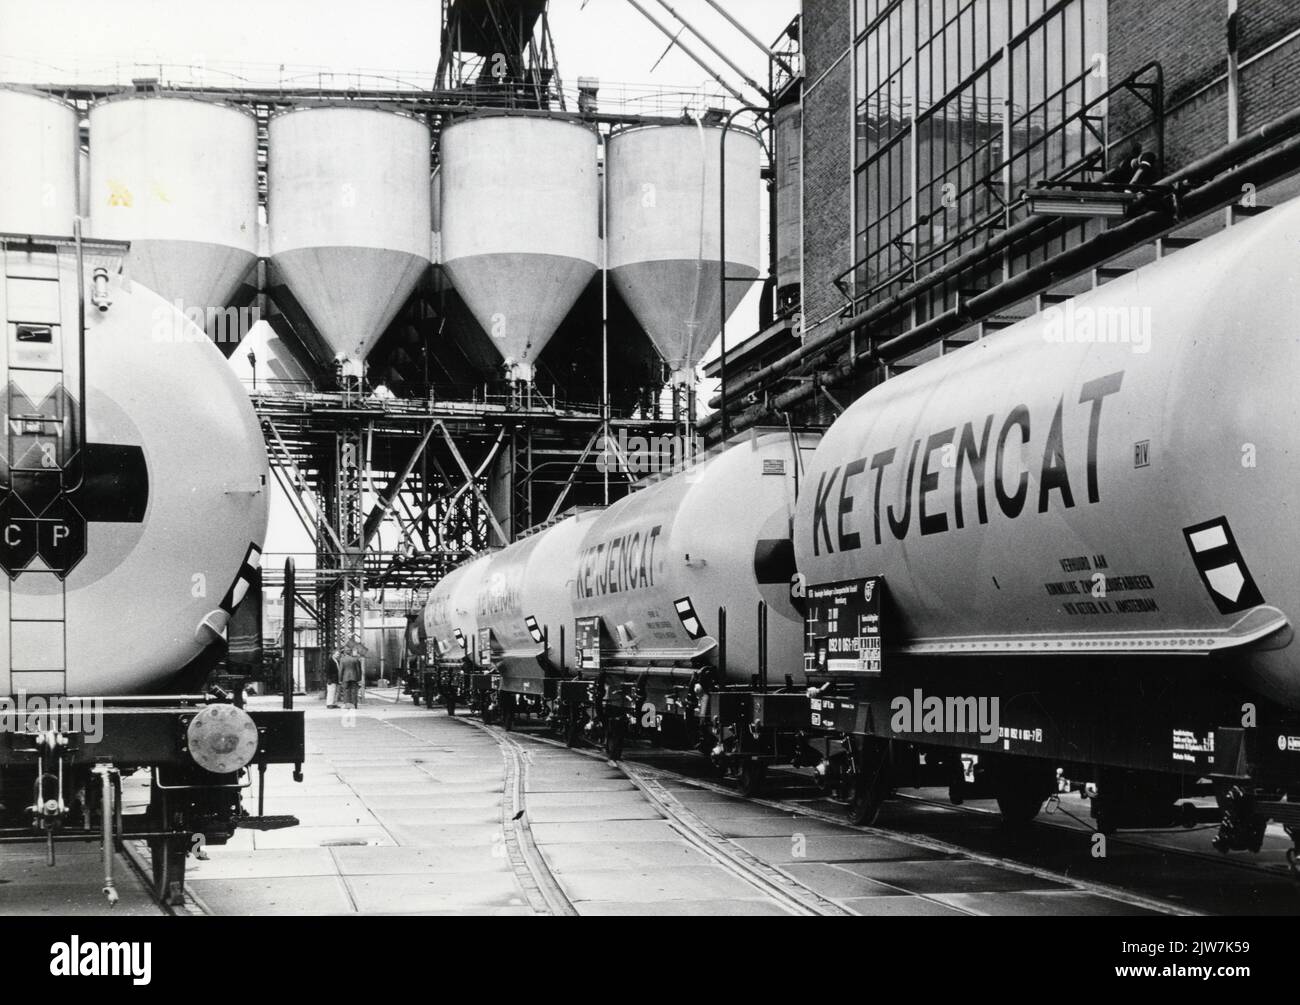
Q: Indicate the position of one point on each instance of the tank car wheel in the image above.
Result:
(614, 730)
(168, 865)
(749, 782)
(1021, 792)
(1018, 809)
(868, 798)
(870, 785)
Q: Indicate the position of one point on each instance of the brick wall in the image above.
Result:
(1189, 39)
(827, 151)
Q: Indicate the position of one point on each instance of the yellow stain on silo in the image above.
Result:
(159, 193)
(118, 194)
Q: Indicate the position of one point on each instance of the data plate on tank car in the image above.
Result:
(842, 627)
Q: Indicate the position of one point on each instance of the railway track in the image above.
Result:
(1197, 875)
(546, 893)
(1134, 839)
(776, 884)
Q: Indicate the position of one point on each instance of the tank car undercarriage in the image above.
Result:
(1154, 738)
(62, 782)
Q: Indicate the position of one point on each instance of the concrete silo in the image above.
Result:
(348, 208)
(38, 163)
(177, 177)
(519, 217)
(665, 212)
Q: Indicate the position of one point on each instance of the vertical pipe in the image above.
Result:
(81, 335)
(290, 602)
(722, 274)
(562, 655)
(722, 263)
(1234, 74)
(106, 829)
(762, 646)
(722, 643)
(604, 316)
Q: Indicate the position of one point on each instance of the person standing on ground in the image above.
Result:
(332, 668)
(351, 670)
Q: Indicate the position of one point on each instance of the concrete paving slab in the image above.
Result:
(622, 855)
(568, 784)
(436, 892)
(575, 814)
(901, 907)
(453, 836)
(401, 861)
(831, 848)
(951, 876)
(771, 824)
(267, 863)
(836, 883)
(321, 837)
(73, 888)
(1038, 902)
(601, 833)
(651, 885)
(440, 816)
(608, 797)
(681, 909)
(281, 896)
(464, 799)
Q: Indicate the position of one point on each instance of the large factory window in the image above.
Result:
(959, 105)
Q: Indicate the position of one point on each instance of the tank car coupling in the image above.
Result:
(48, 807)
(1242, 828)
(99, 289)
(222, 739)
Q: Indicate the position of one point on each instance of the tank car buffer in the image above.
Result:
(128, 542)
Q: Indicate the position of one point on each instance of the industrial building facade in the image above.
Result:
(924, 121)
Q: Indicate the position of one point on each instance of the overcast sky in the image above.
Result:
(266, 41)
(60, 39)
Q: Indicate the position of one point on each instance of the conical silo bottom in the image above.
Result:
(520, 299)
(677, 301)
(351, 294)
(200, 279)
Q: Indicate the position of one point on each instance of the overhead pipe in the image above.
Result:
(688, 50)
(1231, 155)
(1281, 163)
(770, 53)
(716, 51)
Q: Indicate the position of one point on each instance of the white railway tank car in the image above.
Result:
(530, 620)
(1044, 492)
(648, 580)
(1091, 516)
(126, 551)
(657, 566)
(133, 504)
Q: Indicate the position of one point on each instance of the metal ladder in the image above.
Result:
(42, 319)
